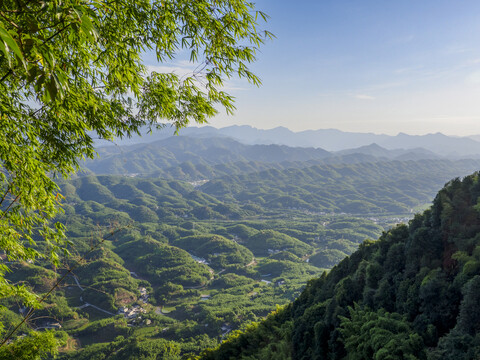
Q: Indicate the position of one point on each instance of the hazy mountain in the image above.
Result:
(475, 137)
(198, 158)
(328, 139)
(176, 150)
(336, 140)
(438, 143)
(397, 154)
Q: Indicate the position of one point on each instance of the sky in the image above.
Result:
(365, 66)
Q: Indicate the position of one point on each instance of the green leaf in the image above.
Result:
(10, 44)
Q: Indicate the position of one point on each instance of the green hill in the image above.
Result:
(271, 241)
(194, 158)
(216, 249)
(370, 187)
(193, 264)
(412, 294)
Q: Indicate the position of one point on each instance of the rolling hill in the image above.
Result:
(412, 294)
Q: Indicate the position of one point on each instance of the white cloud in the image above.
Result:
(364, 97)
(474, 77)
(473, 61)
(457, 49)
(232, 87)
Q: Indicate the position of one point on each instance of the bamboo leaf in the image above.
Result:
(11, 44)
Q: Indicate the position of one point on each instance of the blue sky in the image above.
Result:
(368, 66)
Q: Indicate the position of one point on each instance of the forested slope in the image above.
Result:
(369, 187)
(162, 268)
(148, 158)
(194, 159)
(413, 294)
(189, 267)
(389, 187)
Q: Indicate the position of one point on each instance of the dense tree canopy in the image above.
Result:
(412, 294)
(72, 70)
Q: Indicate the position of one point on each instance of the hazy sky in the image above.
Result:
(363, 65)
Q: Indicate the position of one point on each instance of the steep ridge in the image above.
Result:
(413, 294)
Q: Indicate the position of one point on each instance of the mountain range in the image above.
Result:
(328, 139)
(199, 158)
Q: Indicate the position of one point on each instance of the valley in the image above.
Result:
(178, 255)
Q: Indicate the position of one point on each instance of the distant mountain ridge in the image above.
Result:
(336, 140)
(177, 150)
(395, 154)
(198, 158)
(328, 139)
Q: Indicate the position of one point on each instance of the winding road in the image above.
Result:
(86, 304)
